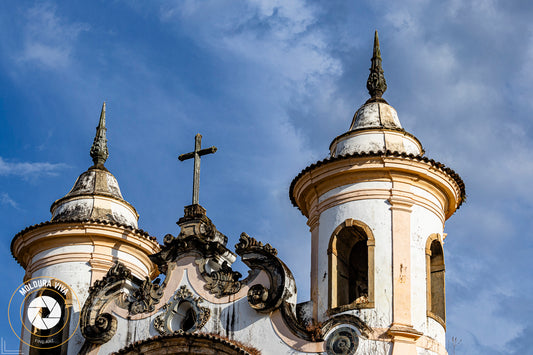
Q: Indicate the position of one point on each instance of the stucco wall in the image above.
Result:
(376, 215)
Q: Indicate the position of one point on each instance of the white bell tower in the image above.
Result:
(91, 228)
(376, 209)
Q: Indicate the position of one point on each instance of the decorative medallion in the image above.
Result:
(342, 341)
(182, 314)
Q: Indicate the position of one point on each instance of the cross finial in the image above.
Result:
(196, 154)
(376, 83)
(99, 151)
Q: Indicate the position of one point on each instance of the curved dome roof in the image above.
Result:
(375, 126)
(96, 194)
(375, 115)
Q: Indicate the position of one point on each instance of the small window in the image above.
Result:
(351, 267)
(185, 317)
(436, 295)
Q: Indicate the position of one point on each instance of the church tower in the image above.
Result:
(91, 228)
(376, 208)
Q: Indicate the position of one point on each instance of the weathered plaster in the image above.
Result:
(375, 140)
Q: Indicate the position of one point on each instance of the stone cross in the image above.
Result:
(196, 154)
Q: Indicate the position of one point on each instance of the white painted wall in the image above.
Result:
(376, 214)
(78, 276)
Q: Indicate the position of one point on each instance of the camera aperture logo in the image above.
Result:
(40, 312)
(44, 312)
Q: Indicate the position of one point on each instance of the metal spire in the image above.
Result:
(99, 148)
(376, 83)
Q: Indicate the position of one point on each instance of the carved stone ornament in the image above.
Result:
(146, 297)
(263, 257)
(248, 244)
(280, 293)
(97, 327)
(127, 291)
(182, 314)
(199, 238)
(198, 235)
(222, 282)
(342, 341)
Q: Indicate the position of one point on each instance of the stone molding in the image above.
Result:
(335, 172)
(102, 238)
(181, 343)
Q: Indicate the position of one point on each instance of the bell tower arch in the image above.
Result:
(351, 267)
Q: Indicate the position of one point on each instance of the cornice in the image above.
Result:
(380, 154)
(81, 223)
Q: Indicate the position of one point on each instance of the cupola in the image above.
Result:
(375, 126)
(96, 194)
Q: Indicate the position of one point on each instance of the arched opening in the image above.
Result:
(358, 275)
(436, 295)
(184, 318)
(351, 267)
(187, 343)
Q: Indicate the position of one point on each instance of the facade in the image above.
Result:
(376, 209)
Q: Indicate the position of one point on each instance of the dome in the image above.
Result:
(375, 115)
(96, 194)
(375, 126)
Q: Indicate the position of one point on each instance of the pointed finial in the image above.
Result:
(376, 83)
(99, 148)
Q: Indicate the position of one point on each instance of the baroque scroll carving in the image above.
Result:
(128, 292)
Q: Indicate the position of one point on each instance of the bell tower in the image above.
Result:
(92, 227)
(376, 208)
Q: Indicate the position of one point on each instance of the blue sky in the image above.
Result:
(271, 83)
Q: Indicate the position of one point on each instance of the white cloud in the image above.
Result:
(275, 35)
(6, 200)
(29, 170)
(496, 336)
(48, 39)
